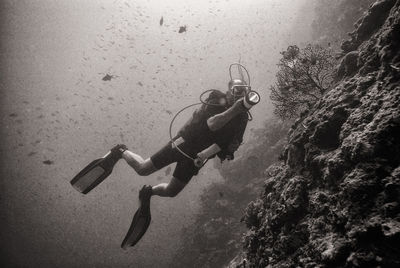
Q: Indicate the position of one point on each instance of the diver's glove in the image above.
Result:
(204, 155)
(118, 150)
(238, 106)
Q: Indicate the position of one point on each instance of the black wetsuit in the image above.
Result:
(197, 137)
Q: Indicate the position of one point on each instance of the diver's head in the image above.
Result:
(237, 89)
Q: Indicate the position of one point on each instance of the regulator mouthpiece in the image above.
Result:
(251, 99)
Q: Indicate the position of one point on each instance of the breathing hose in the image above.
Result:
(170, 129)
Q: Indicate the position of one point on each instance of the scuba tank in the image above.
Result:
(94, 173)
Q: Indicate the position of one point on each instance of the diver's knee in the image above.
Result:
(173, 193)
(146, 168)
(142, 171)
(175, 187)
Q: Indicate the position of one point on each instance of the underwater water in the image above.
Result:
(78, 77)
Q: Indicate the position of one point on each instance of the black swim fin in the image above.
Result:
(139, 225)
(94, 173)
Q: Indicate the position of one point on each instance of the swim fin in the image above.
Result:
(140, 223)
(94, 173)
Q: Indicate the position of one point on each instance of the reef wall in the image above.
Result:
(335, 201)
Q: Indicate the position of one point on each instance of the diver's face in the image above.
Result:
(235, 94)
(229, 98)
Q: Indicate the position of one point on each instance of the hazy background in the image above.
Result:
(57, 114)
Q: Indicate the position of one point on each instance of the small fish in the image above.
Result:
(161, 21)
(182, 29)
(107, 77)
(32, 153)
(140, 84)
(48, 162)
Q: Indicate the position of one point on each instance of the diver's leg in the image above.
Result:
(183, 173)
(170, 189)
(160, 159)
(141, 166)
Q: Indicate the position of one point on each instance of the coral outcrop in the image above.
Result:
(336, 200)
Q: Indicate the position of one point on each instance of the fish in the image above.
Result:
(182, 29)
(108, 77)
(161, 21)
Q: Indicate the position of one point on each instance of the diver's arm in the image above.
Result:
(208, 152)
(205, 154)
(218, 121)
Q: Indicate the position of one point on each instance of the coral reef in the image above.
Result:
(334, 19)
(336, 200)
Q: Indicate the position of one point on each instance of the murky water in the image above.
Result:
(58, 113)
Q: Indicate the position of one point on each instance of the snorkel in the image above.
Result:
(250, 98)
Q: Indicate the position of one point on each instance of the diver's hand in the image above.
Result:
(199, 161)
(238, 106)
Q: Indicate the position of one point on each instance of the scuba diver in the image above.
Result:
(216, 128)
(212, 130)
